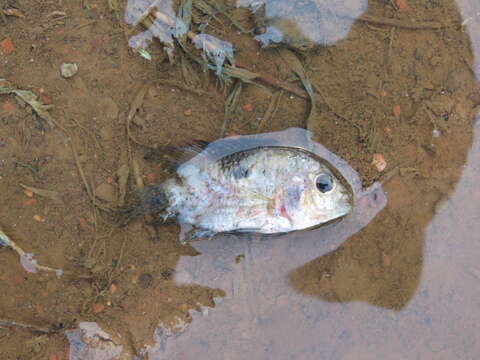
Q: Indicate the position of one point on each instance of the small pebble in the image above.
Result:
(84, 225)
(106, 192)
(379, 162)
(39, 218)
(97, 308)
(68, 70)
(46, 99)
(187, 112)
(7, 46)
(151, 178)
(29, 202)
(402, 5)
(28, 193)
(8, 107)
(247, 107)
(113, 289)
(397, 110)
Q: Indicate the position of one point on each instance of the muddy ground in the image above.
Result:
(382, 90)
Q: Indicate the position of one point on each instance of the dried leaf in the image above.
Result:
(123, 172)
(14, 12)
(30, 98)
(51, 194)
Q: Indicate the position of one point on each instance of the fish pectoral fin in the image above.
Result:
(195, 234)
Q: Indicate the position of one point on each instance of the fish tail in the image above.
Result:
(152, 202)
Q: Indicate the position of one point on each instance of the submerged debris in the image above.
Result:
(89, 341)
(215, 50)
(26, 259)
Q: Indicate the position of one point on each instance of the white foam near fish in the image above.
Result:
(256, 184)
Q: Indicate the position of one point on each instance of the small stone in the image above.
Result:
(402, 5)
(379, 162)
(247, 107)
(7, 46)
(151, 178)
(68, 70)
(106, 192)
(145, 280)
(113, 289)
(8, 107)
(39, 218)
(28, 193)
(397, 110)
(188, 112)
(97, 308)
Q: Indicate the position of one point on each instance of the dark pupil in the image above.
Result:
(324, 183)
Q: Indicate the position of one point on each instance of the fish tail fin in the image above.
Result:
(153, 202)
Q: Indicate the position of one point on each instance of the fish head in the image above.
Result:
(314, 198)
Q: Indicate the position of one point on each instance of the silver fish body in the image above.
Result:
(265, 190)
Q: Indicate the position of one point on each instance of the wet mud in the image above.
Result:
(397, 279)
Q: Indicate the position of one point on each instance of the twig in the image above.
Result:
(27, 260)
(270, 80)
(80, 171)
(9, 323)
(413, 25)
(230, 104)
(271, 110)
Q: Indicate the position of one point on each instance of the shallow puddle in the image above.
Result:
(389, 90)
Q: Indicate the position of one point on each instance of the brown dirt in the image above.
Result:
(363, 77)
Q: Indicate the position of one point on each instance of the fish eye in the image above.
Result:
(324, 183)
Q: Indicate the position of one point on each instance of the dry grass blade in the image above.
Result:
(230, 105)
(10, 323)
(123, 173)
(296, 66)
(113, 5)
(235, 23)
(13, 12)
(380, 20)
(271, 110)
(50, 194)
(137, 175)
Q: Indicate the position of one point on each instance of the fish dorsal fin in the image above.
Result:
(174, 156)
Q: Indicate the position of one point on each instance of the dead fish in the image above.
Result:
(267, 190)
